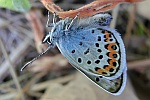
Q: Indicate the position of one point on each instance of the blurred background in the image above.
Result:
(51, 77)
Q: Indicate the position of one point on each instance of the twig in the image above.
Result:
(139, 64)
(14, 56)
(8, 96)
(12, 71)
(38, 30)
(115, 15)
(11, 82)
(41, 86)
(27, 87)
(35, 94)
(130, 26)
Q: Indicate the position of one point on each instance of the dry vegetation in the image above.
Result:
(51, 77)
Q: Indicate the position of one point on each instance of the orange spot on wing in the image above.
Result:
(111, 62)
(111, 54)
(107, 36)
(100, 71)
(107, 68)
(110, 47)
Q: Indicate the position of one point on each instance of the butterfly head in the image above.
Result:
(51, 37)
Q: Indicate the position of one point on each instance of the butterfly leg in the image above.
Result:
(54, 18)
(48, 24)
(67, 28)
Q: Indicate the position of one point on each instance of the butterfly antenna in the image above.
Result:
(35, 58)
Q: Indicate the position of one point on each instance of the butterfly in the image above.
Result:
(93, 48)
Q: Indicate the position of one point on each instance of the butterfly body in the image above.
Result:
(93, 48)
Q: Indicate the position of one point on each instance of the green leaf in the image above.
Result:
(6, 4)
(17, 5)
(21, 5)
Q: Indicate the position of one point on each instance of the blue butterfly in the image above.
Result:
(93, 48)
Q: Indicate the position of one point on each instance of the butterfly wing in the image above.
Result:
(97, 51)
(114, 87)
